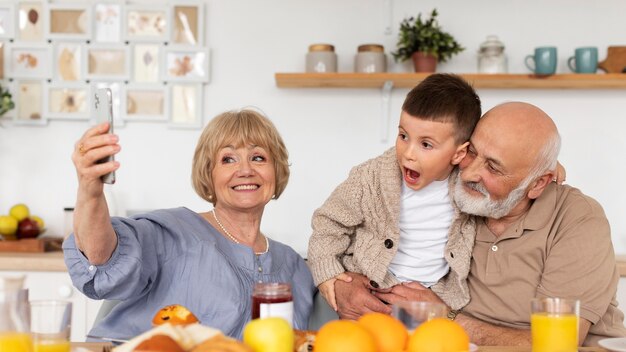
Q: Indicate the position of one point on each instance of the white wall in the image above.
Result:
(328, 131)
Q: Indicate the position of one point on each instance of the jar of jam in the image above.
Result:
(272, 300)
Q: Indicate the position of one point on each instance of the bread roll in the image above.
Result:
(159, 343)
(222, 343)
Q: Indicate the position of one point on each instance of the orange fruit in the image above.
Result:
(439, 335)
(344, 336)
(175, 315)
(389, 333)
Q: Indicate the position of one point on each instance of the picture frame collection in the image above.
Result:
(54, 55)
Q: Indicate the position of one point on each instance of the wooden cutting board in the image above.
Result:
(32, 245)
(615, 61)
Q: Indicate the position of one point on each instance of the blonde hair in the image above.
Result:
(237, 128)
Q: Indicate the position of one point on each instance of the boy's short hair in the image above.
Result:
(445, 98)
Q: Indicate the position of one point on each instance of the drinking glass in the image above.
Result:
(14, 321)
(50, 324)
(414, 313)
(554, 324)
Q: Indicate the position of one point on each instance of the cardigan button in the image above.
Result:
(388, 243)
(374, 284)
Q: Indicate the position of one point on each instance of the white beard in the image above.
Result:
(484, 206)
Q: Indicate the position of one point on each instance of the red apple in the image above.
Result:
(27, 228)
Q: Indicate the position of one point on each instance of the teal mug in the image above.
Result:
(544, 61)
(585, 60)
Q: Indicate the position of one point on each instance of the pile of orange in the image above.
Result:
(377, 332)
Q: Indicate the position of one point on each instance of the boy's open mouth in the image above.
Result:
(411, 176)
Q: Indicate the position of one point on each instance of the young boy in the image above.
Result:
(393, 220)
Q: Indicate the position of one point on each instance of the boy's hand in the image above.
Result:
(327, 289)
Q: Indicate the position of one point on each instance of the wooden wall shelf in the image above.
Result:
(409, 80)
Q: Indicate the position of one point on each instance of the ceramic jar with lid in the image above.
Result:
(321, 58)
(370, 58)
(491, 57)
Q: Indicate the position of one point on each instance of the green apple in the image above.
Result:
(269, 335)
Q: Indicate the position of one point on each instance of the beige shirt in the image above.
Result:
(561, 248)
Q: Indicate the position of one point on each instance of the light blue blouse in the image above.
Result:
(175, 256)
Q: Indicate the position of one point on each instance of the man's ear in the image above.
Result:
(461, 152)
(537, 187)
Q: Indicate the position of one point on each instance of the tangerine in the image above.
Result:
(439, 335)
(344, 336)
(389, 333)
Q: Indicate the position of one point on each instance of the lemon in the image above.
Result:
(269, 335)
(8, 226)
(19, 212)
(39, 222)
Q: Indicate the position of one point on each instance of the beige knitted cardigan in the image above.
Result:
(353, 229)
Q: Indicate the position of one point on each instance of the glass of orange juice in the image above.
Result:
(554, 324)
(14, 325)
(50, 325)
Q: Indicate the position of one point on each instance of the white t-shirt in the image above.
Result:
(425, 217)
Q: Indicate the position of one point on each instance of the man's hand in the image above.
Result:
(327, 289)
(408, 291)
(354, 298)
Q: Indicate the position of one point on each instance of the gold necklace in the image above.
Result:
(267, 242)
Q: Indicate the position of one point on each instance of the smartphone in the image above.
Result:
(103, 109)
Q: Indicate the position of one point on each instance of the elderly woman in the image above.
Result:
(208, 262)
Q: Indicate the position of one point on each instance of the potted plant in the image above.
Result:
(6, 101)
(425, 43)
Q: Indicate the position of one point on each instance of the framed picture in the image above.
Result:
(29, 100)
(7, 20)
(108, 22)
(146, 62)
(2, 47)
(145, 103)
(68, 61)
(186, 110)
(29, 61)
(67, 101)
(116, 92)
(69, 21)
(186, 64)
(31, 21)
(147, 23)
(107, 62)
(188, 23)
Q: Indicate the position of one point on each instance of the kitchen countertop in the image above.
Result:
(53, 261)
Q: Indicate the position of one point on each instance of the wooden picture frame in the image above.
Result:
(107, 62)
(146, 62)
(30, 99)
(186, 64)
(3, 48)
(32, 27)
(69, 101)
(29, 61)
(68, 61)
(69, 21)
(108, 20)
(116, 93)
(186, 105)
(187, 23)
(147, 23)
(7, 20)
(145, 102)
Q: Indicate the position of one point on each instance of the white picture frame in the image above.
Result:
(107, 62)
(186, 64)
(32, 21)
(108, 18)
(7, 20)
(116, 94)
(67, 101)
(68, 61)
(145, 102)
(187, 23)
(28, 61)
(186, 105)
(30, 99)
(147, 23)
(69, 21)
(146, 62)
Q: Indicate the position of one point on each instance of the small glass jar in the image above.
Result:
(321, 58)
(491, 57)
(272, 300)
(370, 58)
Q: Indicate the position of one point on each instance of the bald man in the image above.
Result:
(534, 238)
